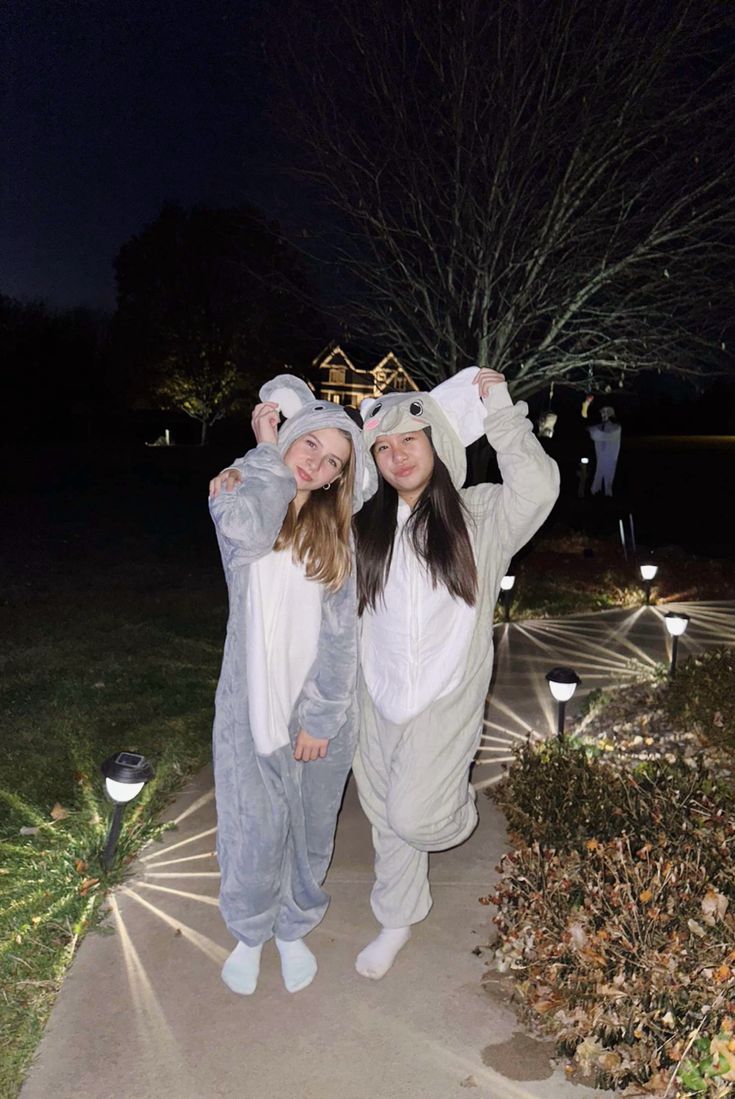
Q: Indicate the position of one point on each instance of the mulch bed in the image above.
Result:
(631, 726)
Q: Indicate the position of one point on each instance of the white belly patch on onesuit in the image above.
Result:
(416, 651)
(284, 614)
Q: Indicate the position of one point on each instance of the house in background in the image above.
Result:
(344, 383)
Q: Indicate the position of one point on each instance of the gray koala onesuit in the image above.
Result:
(276, 816)
(426, 657)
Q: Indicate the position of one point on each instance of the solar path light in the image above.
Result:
(563, 682)
(676, 624)
(506, 587)
(126, 773)
(648, 572)
(582, 472)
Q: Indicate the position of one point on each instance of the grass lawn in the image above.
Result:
(86, 676)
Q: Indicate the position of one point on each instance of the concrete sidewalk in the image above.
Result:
(143, 1012)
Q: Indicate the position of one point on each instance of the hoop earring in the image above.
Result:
(326, 488)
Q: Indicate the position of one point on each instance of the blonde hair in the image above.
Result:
(319, 534)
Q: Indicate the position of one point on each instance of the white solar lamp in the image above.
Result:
(125, 773)
(648, 573)
(676, 624)
(506, 587)
(563, 682)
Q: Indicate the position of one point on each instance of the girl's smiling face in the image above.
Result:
(406, 462)
(317, 458)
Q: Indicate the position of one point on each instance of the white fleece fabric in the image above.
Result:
(284, 617)
(416, 651)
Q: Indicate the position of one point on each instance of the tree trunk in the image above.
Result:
(203, 436)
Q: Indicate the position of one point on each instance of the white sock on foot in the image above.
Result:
(377, 958)
(240, 971)
(298, 964)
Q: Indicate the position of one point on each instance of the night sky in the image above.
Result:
(110, 108)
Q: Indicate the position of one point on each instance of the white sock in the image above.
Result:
(298, 964)
(240, 971)
(377, 958)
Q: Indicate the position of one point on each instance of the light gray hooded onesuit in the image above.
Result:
(426, 657)
(276, 816)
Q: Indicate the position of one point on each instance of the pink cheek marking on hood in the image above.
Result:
(369, 424)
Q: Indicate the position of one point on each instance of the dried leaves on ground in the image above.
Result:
(616, 910)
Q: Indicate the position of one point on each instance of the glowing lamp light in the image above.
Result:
(585, 461)
(647, 574)
(125, 774)
(676, 624)
(563, 682)
(506, 587)
(122, 792)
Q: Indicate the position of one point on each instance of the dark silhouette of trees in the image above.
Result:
(56, 382)
(210, 302)
(544, 187)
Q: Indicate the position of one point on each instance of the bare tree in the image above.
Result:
(544, 187)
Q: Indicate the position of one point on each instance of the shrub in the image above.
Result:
(559, 796)
(616, 917)
(539, 596)
(556, 796)
(701, 697)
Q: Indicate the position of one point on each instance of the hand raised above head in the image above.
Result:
(485, 378)
(265, 422)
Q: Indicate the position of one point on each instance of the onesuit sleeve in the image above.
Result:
(248, 519)
(530, 477)
(327, 697)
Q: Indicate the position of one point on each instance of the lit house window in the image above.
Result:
(336, 375)
(399, 384)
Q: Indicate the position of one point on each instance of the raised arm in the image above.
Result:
(249, 518)
(530, 477)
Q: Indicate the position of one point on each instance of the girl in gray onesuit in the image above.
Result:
(285, 720)
(426, 654)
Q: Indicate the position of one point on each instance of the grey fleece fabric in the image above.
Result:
(276, 816)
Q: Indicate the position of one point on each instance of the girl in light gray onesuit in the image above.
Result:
(285, 723)
(430, 556)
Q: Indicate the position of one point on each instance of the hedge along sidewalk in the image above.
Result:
(86, 677)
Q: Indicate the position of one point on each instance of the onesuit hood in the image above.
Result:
(453, 410)
(304, 413)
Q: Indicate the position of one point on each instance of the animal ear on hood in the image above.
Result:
(366, 406)
(288, 392)
(459, 399)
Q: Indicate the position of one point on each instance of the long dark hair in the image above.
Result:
(438, 531)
